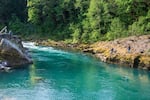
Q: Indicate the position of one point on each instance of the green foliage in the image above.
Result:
(16, 25)
(138, 27)
(9, 8)
(76, 33)
(142, 26)
(20, 28)
(85, 37)
(117, 29)
(76, 20)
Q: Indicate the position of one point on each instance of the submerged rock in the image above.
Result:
(12, 51)
(38, 79)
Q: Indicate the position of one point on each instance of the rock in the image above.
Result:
(89, 50)
(136, 62)
(12, 51)
(102, 57)
(39, 79)
(139, 57)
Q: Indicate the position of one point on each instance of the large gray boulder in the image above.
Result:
(12, 51)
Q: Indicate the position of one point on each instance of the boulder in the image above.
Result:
(12, 51)
(138, 57)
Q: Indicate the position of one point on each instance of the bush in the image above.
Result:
(117, 29)
(141, 26)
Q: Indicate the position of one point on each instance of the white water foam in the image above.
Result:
(31, 45)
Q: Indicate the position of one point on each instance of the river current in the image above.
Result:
(65, 75)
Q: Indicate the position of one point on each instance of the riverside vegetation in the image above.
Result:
(85, 22)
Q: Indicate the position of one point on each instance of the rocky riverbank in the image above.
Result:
(117, 51)
(12, 52)
(137, 57)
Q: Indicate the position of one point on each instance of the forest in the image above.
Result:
(76, 21)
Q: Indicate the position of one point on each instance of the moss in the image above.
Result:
(128, 57)
(145, 60)
(100, 50)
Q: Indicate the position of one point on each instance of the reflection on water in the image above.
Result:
(141, 75)
(32, 72)
(59, 75)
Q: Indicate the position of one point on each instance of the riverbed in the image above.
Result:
(65, 75)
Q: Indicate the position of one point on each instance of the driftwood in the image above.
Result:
(4, 30)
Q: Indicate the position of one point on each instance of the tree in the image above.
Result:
(9, 8)
(141, 26)
(77, 20)
(117, 29)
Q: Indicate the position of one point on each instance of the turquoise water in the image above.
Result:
(61, 75)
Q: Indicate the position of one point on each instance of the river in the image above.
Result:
(65, 75)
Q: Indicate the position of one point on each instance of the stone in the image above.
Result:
(12, 51)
